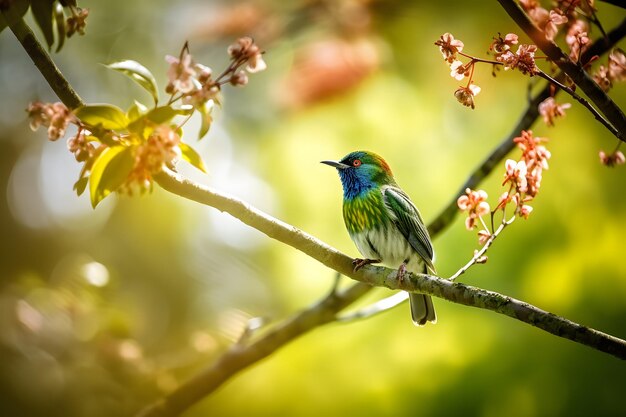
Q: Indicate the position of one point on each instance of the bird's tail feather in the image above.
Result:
(422, 309)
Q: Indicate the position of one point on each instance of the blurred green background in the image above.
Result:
(103, 311)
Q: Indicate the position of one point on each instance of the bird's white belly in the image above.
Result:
(388, 245)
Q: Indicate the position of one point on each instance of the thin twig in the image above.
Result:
(598, 116)
(480, 253)
(376, 308)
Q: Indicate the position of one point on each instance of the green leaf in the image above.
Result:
(162, 114)
(59, 17)
(158, 115)
(136, 111)
(105, 116)
(191, 156)
(138, 73)
(17, 10)
(42, 12)
(205, 112)
(80, 185)
(109, 172)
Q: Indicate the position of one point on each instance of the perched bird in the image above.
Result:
(384, 223)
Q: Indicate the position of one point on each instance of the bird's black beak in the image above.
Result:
(336, 164)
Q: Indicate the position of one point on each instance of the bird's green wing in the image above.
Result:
(408, 220)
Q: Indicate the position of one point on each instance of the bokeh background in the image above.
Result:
(102, 311)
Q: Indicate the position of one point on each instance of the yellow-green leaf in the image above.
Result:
(136, 111)
(191, 156)
(80, 185)
(163, 114)
(158, 116)
(109, 172)
(138, 73)
(205, 112)
(106, 116)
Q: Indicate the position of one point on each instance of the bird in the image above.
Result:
(384, 224)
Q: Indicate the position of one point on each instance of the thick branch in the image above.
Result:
(381, 276)
(42, 60)
(575, 71)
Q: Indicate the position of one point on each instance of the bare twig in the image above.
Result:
(480, 253)
(582, 101)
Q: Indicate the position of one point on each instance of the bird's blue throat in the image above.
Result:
(355, 184)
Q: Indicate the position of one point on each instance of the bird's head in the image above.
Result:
(361, 171)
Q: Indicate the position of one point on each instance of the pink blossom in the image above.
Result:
(465, 95)
(244, 49)
(501, 45)
(474, 203)
(577, 38)
(610, 160)
(550, 110)
(180, 74)
(483, 236)
(601, 77)
(516, 174)
(449, 47)
(617, 65)
(555, 18)
(457, 70)
(525, 211)
(55, 116)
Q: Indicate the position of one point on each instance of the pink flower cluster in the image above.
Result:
(564, 13)
(450, 48)
(550, 110)
(55, 116)
(76, 23)
(524, 176)
(524, 180)
(476, 205)
(159, 150)
(80, 146)
(614, 71)
(523, 59)
(194, 81)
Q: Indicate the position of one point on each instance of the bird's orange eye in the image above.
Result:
(356, 163)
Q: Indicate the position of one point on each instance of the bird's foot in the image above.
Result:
(401, 272)
(360, 263)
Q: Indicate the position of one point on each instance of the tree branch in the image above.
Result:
(42, 60)
(529, 116)
(239, 357)
(575, 71)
